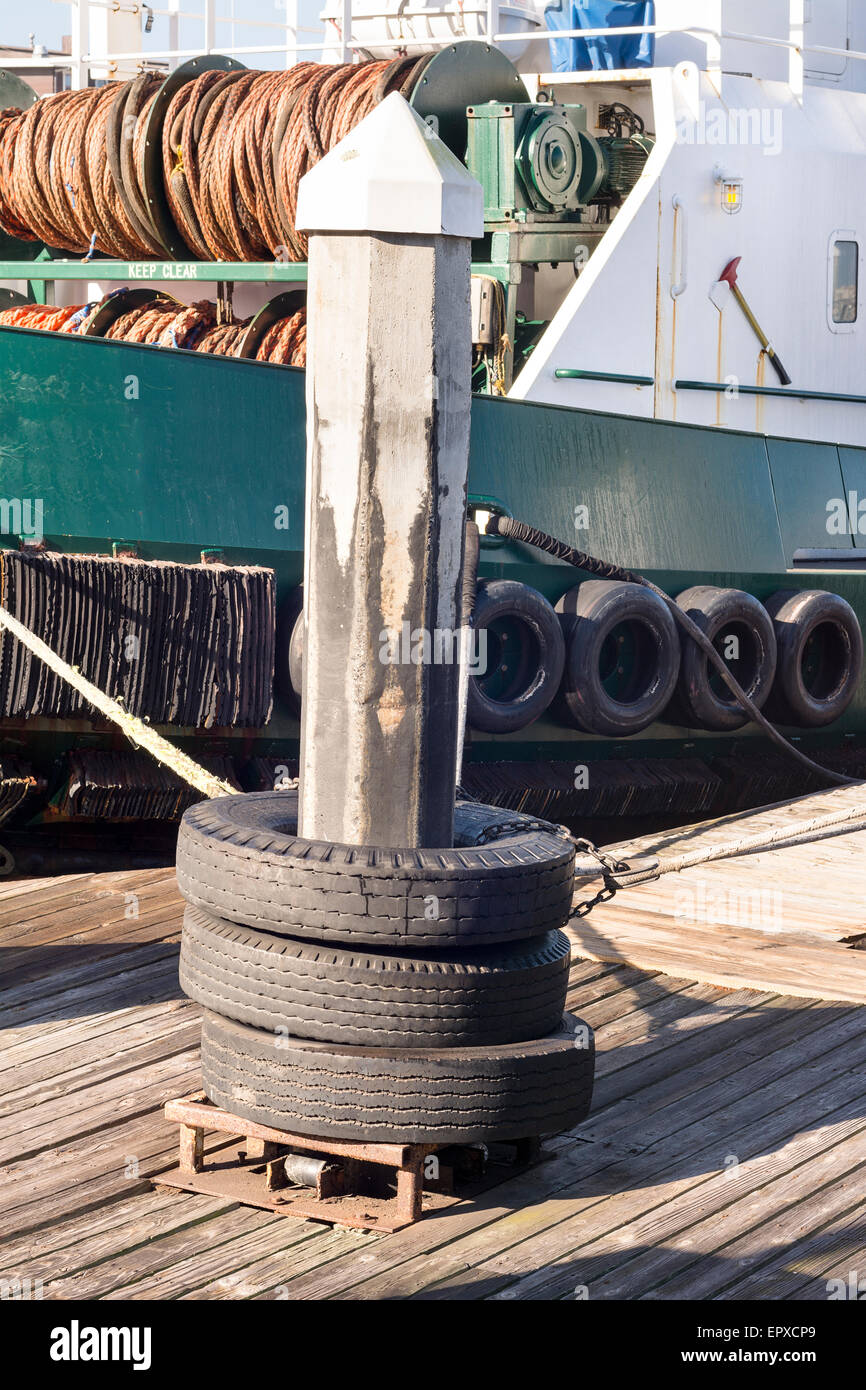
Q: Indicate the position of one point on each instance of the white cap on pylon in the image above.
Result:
(391, 173)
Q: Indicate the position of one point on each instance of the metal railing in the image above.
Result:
(81, 61)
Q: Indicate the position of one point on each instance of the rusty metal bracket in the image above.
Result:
(372, 1187)
(296, 1175)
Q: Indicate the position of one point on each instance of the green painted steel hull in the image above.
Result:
(181, 453)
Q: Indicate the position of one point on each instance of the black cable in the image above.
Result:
(511, 529)
(470, 574)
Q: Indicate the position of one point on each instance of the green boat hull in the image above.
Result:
(181, 453)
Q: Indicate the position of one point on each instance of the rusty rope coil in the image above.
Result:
(71, 169)
(285, 341)
(10, 220)
(164, 322)
(44, 316)
(235, 146)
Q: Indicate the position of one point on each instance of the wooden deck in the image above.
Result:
(791, 919)
(723, 1157)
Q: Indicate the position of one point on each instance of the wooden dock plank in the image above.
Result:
(785, 1207)
(724, 1072)
(75, 1242)
(690, 1073)
(104, 1269)
(271, 1235)
(835, 1250)
(580, 1223)
(776, 919)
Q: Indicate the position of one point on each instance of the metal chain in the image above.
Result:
(519, 826)
(609, 867)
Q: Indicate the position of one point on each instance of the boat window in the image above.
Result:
(845, 258)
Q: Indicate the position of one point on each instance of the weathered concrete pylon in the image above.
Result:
(390, 212)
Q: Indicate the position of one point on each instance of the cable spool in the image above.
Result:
(115, 306)
(271, 337)
(236, 145)
(44, 317)
(79, 169)
(12, 299)
(277, 334)
(207, 162)
(158, 147)
(17, 242)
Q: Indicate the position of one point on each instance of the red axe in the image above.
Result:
(729, 274)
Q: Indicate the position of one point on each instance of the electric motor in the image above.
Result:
(624, 160)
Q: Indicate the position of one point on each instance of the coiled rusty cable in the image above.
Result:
(11, 221)
(162, 322)
(71, 170)
(44, 316)
(285, 341)
(235, 146)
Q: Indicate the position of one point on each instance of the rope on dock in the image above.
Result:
(135, 729)
(750, 844)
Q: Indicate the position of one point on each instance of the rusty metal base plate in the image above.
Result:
(371, 1187)
(230, 1173)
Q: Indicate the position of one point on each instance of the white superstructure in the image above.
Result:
(650, 302)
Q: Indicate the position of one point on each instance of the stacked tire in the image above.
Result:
(405, 995)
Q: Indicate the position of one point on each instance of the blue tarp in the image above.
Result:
(618, 51)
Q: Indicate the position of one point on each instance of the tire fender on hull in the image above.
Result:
(525, 655)
(622, 657)
(742, 631)
(290, 649)
(820, 659)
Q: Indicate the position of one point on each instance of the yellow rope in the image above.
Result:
(135, 730)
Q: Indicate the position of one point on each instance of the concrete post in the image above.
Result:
(390, 212)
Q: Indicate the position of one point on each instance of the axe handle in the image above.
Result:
(761, 336)
(780, 370)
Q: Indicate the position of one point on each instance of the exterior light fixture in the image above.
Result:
(731, 189)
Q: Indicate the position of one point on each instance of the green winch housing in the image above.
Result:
(537, 161)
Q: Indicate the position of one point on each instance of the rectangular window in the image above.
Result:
(846, 255)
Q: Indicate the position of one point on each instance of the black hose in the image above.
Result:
(470, 573)
(511, 529)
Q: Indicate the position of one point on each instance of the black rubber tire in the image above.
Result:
(238, 857)
(590, 613)
(459, 1094)
(476, 998)
(796, 616)
(535, 671)
(296, 659)
(702, 700)
(290, 649)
